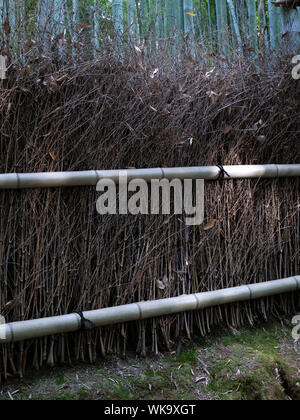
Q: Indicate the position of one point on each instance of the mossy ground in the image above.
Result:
(252, 364)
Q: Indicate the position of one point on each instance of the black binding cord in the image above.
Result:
(84, 321)
(222, 173)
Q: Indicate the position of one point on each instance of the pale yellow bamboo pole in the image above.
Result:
(25, 330)
(86, 178)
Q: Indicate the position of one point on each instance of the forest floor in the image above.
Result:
(261, 363)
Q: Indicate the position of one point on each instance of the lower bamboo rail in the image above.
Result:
(24, 330)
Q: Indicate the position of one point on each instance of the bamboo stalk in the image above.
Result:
(24, 330)
(86, 178)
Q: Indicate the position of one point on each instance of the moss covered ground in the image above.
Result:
(261, 363)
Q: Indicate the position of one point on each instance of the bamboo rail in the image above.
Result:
(25, 330)
(89, 178)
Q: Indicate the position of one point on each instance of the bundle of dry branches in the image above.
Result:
(57, 255)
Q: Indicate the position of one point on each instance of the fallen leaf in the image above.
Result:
(11, 304)
(83, 25)
(262, 139)
(152, 74)
(210, 224)
(209, 73)
(213, 96)
(52, 155)
(258, 125)
(160, 285)
(228, 130)
(139, 275)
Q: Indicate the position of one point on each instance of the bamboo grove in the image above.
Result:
(223, 27)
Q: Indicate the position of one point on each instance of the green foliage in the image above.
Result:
(239, 23)
(255, 364)
(187, 356)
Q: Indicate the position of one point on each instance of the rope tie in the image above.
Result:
(222, 173)
(84, 321)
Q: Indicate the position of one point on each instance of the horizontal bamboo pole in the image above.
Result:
(24, 330)
(85, 178)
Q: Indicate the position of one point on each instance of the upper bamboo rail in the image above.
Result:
(86, 178)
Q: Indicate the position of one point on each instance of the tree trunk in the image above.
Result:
(222, 27)
(252, 19)
(275, 25)
(235, 26)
